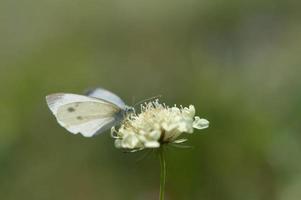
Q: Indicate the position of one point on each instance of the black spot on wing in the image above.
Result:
(79, 117)
(70, 109)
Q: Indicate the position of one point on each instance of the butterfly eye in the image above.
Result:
(130, 110)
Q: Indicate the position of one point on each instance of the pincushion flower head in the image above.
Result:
(157, 124)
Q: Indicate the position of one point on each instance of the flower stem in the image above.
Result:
(163, 172)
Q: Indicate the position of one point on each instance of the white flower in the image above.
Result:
(155, 125)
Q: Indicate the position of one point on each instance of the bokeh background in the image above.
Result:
(238, 62)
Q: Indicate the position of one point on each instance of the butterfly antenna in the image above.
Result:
(148, 99)
(133, 99)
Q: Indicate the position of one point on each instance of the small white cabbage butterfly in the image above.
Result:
(88, 115)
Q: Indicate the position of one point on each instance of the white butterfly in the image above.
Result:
(88, 115)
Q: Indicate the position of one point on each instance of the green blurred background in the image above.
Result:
(238, 62)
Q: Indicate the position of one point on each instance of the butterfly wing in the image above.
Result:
(82, 114)
(101, 93)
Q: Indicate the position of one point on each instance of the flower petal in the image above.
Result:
(179, 141)
(199, 123)
(152, 144)
(130, 142)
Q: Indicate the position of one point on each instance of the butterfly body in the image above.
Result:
(88, 115)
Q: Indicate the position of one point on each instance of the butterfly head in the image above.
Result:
(129, 110)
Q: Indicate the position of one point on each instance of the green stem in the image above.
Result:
(163, 172)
